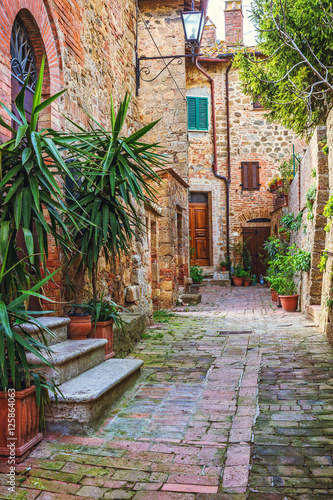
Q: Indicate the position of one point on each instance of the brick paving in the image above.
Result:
(235, 402)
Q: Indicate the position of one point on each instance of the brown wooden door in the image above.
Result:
(199, 233)
(255, 237)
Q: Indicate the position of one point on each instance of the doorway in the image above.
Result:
(199, 229)
(255, 237)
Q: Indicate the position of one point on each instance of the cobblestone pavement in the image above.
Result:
(235, 402)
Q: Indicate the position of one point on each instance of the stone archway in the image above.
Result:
(255, 216)
(35, 18)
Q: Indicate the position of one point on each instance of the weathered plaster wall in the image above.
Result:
(252, 139)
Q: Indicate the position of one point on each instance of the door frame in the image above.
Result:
(209, 224)
(254, 226)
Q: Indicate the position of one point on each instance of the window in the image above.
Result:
(257, 104)
(197, 113)
(250, 175)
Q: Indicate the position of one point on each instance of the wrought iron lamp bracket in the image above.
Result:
(142, 73)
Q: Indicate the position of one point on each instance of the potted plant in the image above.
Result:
(80, 326)
(288, 297)
(104, 314)
(196, 273)
(225, 264)
(106, 200)
(24, 390)
(247, 279)
(272, 184)
(238, 276)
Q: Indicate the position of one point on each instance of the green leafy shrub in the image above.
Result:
(196, 273)
(287, 220)
(323, 261)
(239, 272)
(310, 199)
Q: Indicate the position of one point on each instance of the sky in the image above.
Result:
(216, 13)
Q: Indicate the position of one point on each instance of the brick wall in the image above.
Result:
(252, 139)
(233, 21)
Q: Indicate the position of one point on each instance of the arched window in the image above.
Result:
(23, 63)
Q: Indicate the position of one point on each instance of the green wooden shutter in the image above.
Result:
(202, 113)
(191, 113)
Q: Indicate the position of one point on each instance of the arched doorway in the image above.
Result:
(255, 233)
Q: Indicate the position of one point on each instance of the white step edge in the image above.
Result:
(71, 358)
(93, 383)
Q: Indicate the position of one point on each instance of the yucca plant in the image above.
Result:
(15, 341)
(31, 199)
(124, 169)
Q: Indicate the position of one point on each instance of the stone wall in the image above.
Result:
(90, 51)
(164, 99)
(326, 317)
(311, 235)
(252, 139)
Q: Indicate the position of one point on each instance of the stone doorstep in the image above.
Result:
(88, 398)
(191, 298)
(212, 282)
(71, 358)
(57, 325)
(314, 313)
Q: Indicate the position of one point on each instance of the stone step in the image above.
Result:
(89, 397)
(71, 358)
(314, 313)
(215, 282)
(58, 326)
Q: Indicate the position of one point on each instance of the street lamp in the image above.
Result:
(193, 25)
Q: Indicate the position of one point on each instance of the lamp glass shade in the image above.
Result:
(193, 23)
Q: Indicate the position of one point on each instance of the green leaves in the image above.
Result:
(295, 81)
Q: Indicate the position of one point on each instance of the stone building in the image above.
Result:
(233, 153)
(90, 51)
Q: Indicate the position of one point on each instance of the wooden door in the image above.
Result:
(255, 237)
(199, 234)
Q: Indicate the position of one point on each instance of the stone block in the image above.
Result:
(124, 339)
(166, 285)
(132, 293)
(191, 298)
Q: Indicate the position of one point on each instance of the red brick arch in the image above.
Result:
(39, 24)
(254, 213)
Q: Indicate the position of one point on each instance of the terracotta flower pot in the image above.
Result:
(104, 330)
(79, 327)
(223, 268)
(274, 295)
(289, 302)
(246, 283)
(16, 440)
(237, 281)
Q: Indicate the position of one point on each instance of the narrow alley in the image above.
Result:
(235, 401)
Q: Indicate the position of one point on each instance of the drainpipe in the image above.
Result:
(214, 165)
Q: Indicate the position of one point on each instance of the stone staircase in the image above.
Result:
(89, 385)
(216, 278)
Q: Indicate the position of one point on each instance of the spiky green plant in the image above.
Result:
(108, 199)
